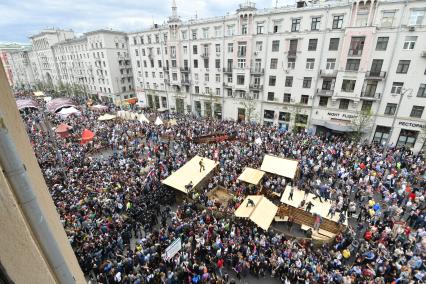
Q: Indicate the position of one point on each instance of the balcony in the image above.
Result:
(292, 53)
(185, 69)
(227, 85)
(355, 52)
(328, 73)
(257, 71)
(185, 82)
(371, 96)
(375, 75)
(256, 87)
(205, 55)
(227, 70)
(326, 93)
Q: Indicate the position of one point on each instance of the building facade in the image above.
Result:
(331, 68)
(328, 67)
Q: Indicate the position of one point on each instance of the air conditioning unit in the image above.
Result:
(411, 28)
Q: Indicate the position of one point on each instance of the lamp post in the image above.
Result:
(401, 95)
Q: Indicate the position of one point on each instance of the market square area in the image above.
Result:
(160, 197)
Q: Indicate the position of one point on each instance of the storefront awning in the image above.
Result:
(336, 126)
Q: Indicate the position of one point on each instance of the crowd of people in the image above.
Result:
(119, 218)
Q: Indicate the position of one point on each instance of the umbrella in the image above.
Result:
(87, 136)
(63, 129)
(99, 107)
(67, 111)
(142, 118)
(106, 117)
(376, 207)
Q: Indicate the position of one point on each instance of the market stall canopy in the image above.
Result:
(67, 111)
(280, 166)
(262, 213)
(142, 118)
(158, 121)
(87, 136)
(190, 172)
(251, 175)
(56, 104)
(106, 116)
(99, 107)
(26, 103)
(38, 94)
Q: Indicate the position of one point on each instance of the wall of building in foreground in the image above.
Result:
(20, 254)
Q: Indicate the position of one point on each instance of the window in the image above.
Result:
(197, 89)
(269, 114)
(274, 63)
(241, 63)
(242, 49)
(422, 91)
(184, 35)
(230, 47)
(310, 62)
(195, 63)
(323, 101)
(217, 47)
(390, 109)
(301, 118)
(407, 138)
(366, 106)
(327, 84)
(284, 116)
(287, 98)
(403, 66)
(312, 46)
(416, 17)
(387, 18)
(272, 80)
(352, 64)
(344, 104)
(206, 77)
(275, 45)
(304, 99)
(289, 81)
(217, 91)
(348, 85)
(357, 45)
(230, 30)
(276, 26)
(376, 67)
(260, 27)
(295, 25)
(291, 63)
(382, 134)
(409, 43)
(206, 63)
(331, 64)
(337, 22)
(417, 111)
(259, 46)
(270, 96)
(382, 43)
(195, 49)
(217, 78)
(244, 29)
(194, 34)
(315, 24)
(397, 87)
(218, 31)
(334, 44)
(240, 79)
(217, 63)
(307, 81)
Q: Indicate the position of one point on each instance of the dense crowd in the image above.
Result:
(120, 219)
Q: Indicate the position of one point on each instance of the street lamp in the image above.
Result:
(401, 95)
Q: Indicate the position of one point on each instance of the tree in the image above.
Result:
(249, 104)
(361, 123)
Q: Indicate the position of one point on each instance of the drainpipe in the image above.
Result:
(17, 176)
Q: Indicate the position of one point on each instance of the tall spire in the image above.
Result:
(174, 9)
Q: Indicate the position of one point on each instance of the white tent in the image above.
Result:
(158, 121)
(120, 113)
(106, 117)
(65, 112)
(262, 213)
(142, 118)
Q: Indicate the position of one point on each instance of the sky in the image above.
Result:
(22, 18)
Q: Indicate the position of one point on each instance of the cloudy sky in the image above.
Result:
(21, 18)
